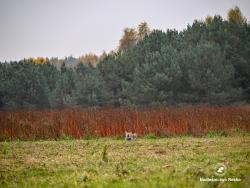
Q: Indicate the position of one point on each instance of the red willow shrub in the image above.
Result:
(101, 122)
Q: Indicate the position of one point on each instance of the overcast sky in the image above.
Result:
(59, 28)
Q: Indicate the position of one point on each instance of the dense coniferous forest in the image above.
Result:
(206, 63)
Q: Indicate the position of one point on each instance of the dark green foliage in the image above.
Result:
(207, 74)
(156, 80)
(89, 86)
(23, 86)
(208, 62)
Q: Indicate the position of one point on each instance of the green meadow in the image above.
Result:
(110, 162)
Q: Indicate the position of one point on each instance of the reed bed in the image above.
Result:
(108, 122)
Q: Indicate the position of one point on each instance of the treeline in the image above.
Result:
(206, 63)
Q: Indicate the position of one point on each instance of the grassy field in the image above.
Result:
(107, 162)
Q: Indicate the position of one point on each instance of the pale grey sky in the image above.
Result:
(59, 28)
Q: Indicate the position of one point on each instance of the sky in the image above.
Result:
(60, 28)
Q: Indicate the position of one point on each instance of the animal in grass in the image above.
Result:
(130, 136)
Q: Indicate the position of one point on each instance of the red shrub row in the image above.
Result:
(91, 122)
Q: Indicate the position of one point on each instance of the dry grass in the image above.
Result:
(102, 122)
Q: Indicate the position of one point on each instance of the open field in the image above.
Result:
(103, 122)
(106, 162)
(176, 147)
